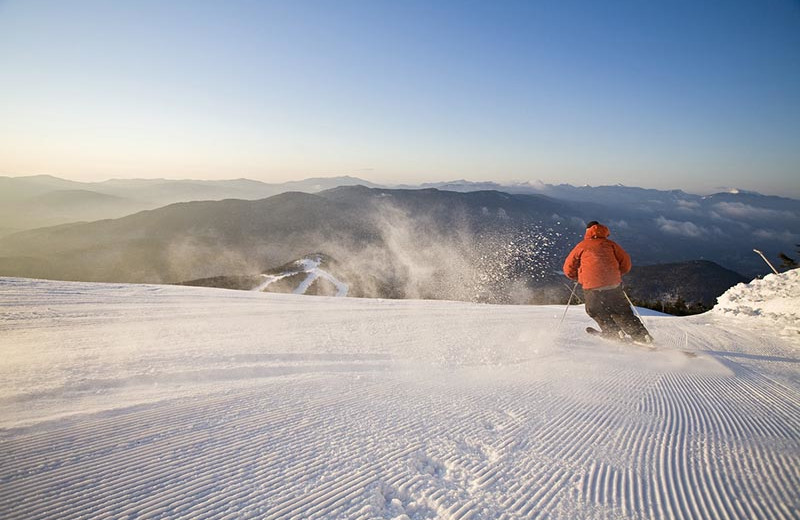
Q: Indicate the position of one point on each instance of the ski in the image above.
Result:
(626, 340)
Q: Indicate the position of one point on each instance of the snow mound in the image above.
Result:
(775, 298)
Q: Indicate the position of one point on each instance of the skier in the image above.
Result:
(598, 264)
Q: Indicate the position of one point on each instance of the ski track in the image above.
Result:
(313, 271)
(594, 431)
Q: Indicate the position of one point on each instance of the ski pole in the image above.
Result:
(574, 288)
(576, 296)
(635, 310)
(767, 261)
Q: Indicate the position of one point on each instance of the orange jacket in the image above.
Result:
(597, 261)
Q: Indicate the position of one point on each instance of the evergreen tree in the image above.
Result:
(787, 262)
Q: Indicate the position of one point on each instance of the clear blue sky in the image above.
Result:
(691, 94)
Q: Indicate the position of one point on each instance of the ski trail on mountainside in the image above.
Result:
(311, 267)
(268, 280)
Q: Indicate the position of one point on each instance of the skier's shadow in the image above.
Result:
(754, 357)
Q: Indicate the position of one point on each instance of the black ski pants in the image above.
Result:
(612, 312)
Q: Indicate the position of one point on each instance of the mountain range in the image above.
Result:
(661, 226)
(423, 243)
(43, 200)
(454, 243)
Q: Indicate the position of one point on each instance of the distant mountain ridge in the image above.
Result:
(395, 233)
(22, 208)
(486, 246)
(23, 203)
(680, 288)
(655, 226)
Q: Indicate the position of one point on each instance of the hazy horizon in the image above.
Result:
(687, 96)
(510, 182)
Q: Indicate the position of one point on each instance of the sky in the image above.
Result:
(696, 95)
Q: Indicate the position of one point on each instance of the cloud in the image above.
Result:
(746, 211)
(687, 206)
(676, 227)
(780, 236)
(619, 224)
(578, 222)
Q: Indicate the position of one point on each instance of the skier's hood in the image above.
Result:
(597, 231)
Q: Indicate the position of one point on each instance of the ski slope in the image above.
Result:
(136, 401)
(310, 266)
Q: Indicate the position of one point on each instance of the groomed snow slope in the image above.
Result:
(134, 401)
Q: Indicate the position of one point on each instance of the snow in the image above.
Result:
(140, 401)
(310, 266)
(773, 298)
(268, 279)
